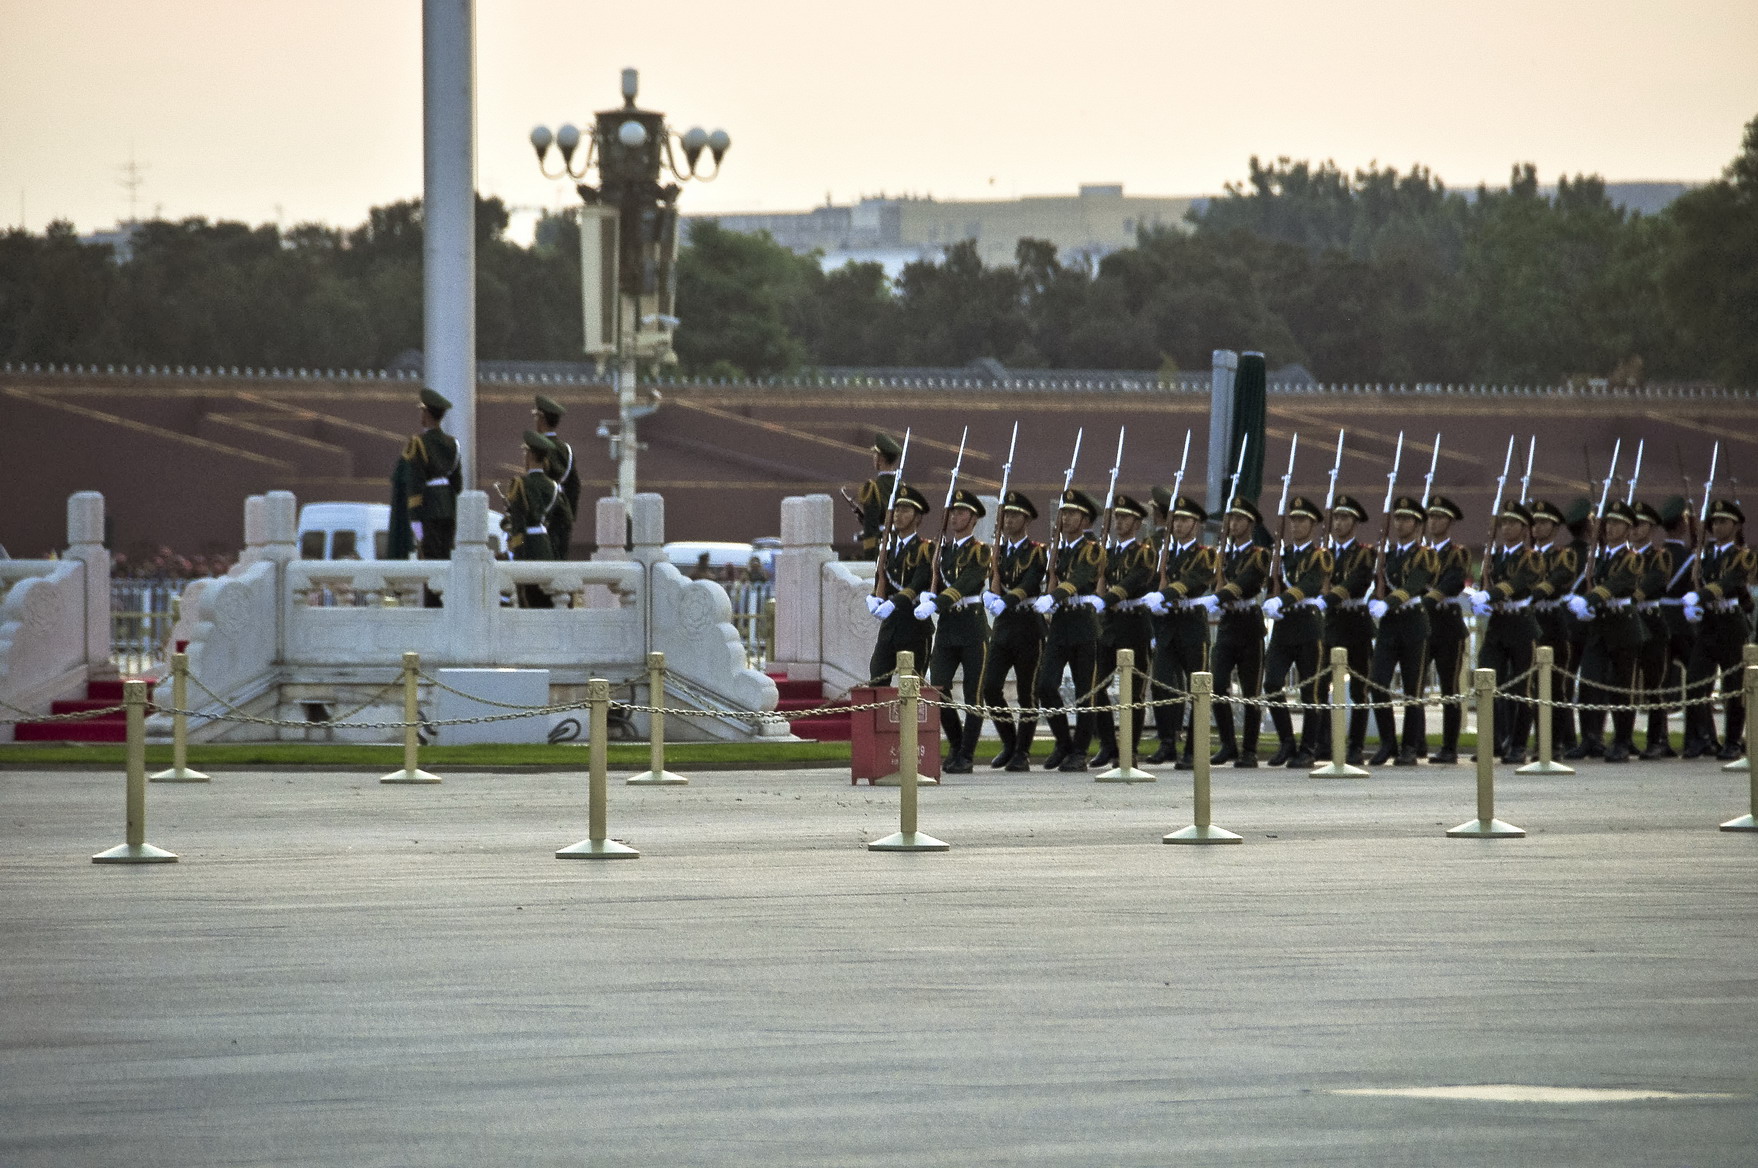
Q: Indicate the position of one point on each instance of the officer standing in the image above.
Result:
(1676, 631)
(962, 636)
(1181, 626)
(1561, 567)
(1297, 613)
(532, 500)
(424, 487)
(1447, 633)
(1016, 636)
(1613, 638)
(1347, 622)
(1512, 571)
(1656, 560)
(561, 469)
(1244, 568)
(1072, 641)
(906, 574)
(869, 502)
(1129, 576)
(1722, 611)
(1401, 647)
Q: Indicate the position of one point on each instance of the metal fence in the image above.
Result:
(142, 612)
(753, 615)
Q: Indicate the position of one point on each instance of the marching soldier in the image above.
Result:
(906, 575)
(1072, 641)
(532, 499)
(869, 502)
(1613, 637)
(1347, 622)
(1401, 646)
(1652, 660)
(1722, 611)
(1578, 519)
(1016, 636)
(560, 468)
(1561, 567)
(1181, 626)
(1675, 629)
(1447, 632)
(1243, 570)
(1505, 595)
(1297, 611)
(424, 487)
(962, 636)
(1129, 576)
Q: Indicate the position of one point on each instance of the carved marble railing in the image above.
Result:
(55, 616)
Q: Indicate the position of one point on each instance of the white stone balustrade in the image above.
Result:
(55, 616)
(823, 631)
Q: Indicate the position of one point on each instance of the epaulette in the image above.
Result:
(869, 492)
(1327, 560)
(414, 451)
(1090, 553)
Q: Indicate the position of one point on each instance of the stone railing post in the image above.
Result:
(85, 543)
(807, 530)
(470, 596)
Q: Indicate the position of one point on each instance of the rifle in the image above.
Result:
(1428, 479)
(1636, 475)
(1331, 491)
(1379, 562)
(1110, 498)
(1703, 521)
(946, 510)
(1056, 541)
(881, 584)
(1232, 486)
(1599, 526)
(1177, 485)
(1494, 514)
(1006, 474)
(1282, 519)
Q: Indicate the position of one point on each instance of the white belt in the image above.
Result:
(441, 482)
(1672, 601)
(1240, 606)
(1352, 605)
(1510, 605)
(1648, 606)
(1547, 605)
(967, 601)
(1725, 606)
(536, 530)
(1618, 602)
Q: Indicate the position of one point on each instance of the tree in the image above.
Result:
(1709, 277)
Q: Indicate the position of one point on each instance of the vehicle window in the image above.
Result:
(342, 546)
(311, 545)
(381, 542)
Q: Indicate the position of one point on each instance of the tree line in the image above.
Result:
(1376, 275)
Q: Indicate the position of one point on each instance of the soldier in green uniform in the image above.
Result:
(1613, 637)
(424, 492)
(1721, 608)
(562, 471)
(1347, 622)
(1072, 641)
(532, 499)
(1656, 560)
(961, 636)
(869, 502)
(906, 574)
(1400, 648)
(1243, 568)
(1576, 519)
(1297, 613)
(1675, 630)
(1125, 624)
(1016, 636)
(1512, 571)
(1447, 633)
(1181, 626)
(1561, 566)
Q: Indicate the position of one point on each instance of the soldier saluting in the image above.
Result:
(559, 466)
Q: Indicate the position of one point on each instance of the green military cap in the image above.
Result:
(1517, 512)
(1544, 510)
(908, 496)
(1129, 506)
(1726, 509)
(963, 498)
(1409, 505)
(1189, 508)
(885, 444)
(1618, 509)
(1441, 505)
(538, 444)
(1018, 502)
(1578, 511)
(1243, 506)
(1079, 500)
(1646, 514)
(550, 406)
(1349, 505)
(1162, 498)
(435, 401)
(1672, 510)
(1301, 506)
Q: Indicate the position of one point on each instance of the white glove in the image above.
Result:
(1693, 600)
(994, 604)
(1156, 602)
(1479, 607)
(1044, 603)
(873, 603)
(415, 526)
(1095, 602)
(881, 608)
(1210, 602)
(1320, 603)
(1376, 608)
(1273, 608)
(926, 608)
(1693, 613)
(1579, 608)
(1479, 597)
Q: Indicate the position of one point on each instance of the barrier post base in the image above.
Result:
(1741, 765)
(178, 775)
(913, 841)
(604, 849)
(660, 779)
(1338, 770)
(1129, 774)
(410, 775)
(895, 779)
(1206, 833)
(135, 854)
(1743, 823)
(1486, 829)
(1541, 767)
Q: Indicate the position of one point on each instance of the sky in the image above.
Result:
(311, 111)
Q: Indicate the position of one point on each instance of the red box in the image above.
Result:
(874, 734)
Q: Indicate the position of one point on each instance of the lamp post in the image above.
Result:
(629, 242)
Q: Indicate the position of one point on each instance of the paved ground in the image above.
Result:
(344, 973)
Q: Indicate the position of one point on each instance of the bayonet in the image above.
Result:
(1526, 479)
(1288, 476)
(1428, 479)
(1636, 475)
(1392, 477)
(880, 581)
(1073, 461)
(1238, 470)
(957, 465)
(1116, 465)
(1336, 466)
(1177, 485)
(1709, 483)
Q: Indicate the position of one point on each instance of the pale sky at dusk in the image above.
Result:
(238, 107)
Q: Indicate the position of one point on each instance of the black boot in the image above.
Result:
(1248, 739)
(1008, 738)
(1224, 734)
(1284, 751)
(1452, 716)
(1387, 751)
(1164, 753)
(1064, 746)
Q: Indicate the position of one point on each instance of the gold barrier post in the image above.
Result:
(909, 697)
(597, 845)
(906, 664)
(1545, 657)
(656, 775)
(1125, 771)
(1202, 691)
(136, 850)
(1338, 767)
(1748, 822)
(179, 772)
(411, 773)
(1748, 658)
(1486, 825)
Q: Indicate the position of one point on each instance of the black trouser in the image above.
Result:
(1353, 631)
(1137, 639)
(1181, 648)
(900, 632)
(1401, 650)
(1239, 649)
(1507, 646)
(1302, 657)
(961, 730)
(1553, 630)
(1605, 664)
(1013, 651)
(1653, 663)
(531, 549)
(1446, 648)
(1081, 658)
(1717, 649)
(437, 538)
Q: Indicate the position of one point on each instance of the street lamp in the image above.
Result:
(629, 242)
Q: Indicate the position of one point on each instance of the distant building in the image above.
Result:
(119, 239)
(896, 231)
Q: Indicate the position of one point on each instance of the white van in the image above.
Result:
(720, 555)
(359, 531)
